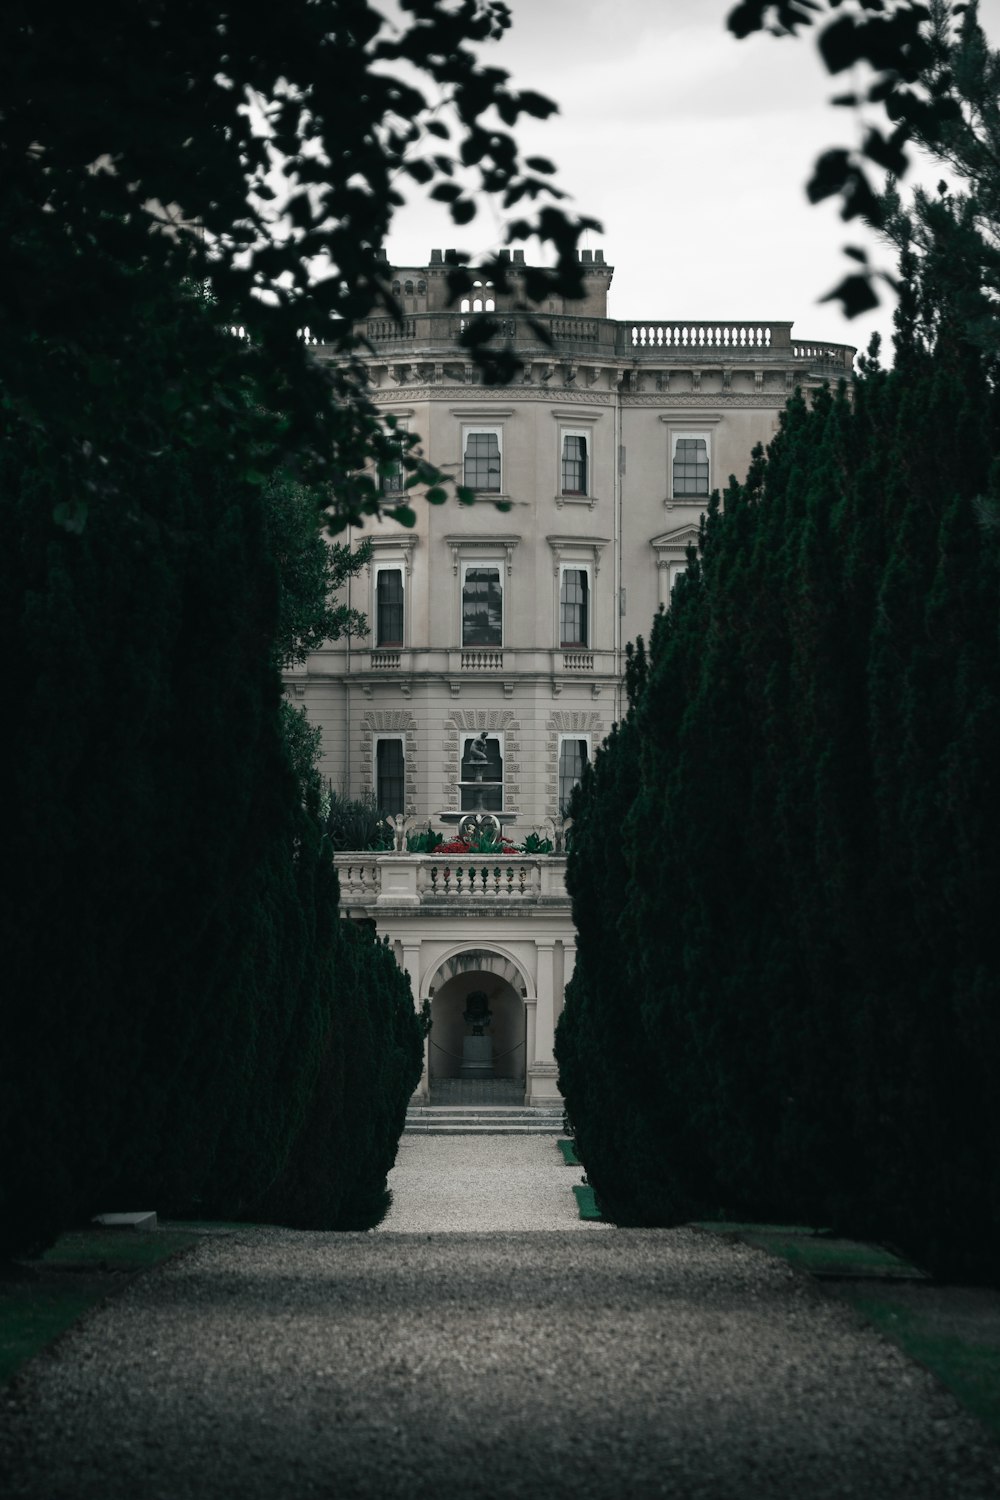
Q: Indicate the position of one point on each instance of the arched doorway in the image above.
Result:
(495, 976)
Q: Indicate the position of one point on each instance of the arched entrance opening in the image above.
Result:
(453, 1077)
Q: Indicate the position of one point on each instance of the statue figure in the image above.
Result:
(477, 1013)
(477, 756)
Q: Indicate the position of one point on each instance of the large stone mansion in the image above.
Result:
(514, 620)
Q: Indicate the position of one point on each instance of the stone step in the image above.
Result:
(483, 1127)
(438, 1119)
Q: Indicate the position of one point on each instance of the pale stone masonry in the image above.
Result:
(514, 620)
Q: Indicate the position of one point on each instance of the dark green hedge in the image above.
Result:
(786, 862)
(335, 1176)
(175, 976)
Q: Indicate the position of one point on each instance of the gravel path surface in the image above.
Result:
(273, 1365)
(469, 1183)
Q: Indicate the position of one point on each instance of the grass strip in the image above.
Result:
(952, 1331)
(970, 1369)
(569, 1155)
(586, 1202)
(46, 1296)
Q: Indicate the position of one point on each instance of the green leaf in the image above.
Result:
(855, 293)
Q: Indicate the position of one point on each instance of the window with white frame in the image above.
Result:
(574, 605)
(574, 467)
(481, 459)
(690, 465)
(389, 597)
(482, 602)
(482, 761)
(390, 782)
(574, 753)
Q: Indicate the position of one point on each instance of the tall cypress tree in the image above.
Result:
(804, 919)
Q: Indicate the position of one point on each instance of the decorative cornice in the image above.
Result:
(485, 393)
(763, 401)
(721, 399)
(462, 544)
(561, 544)
(385, 548)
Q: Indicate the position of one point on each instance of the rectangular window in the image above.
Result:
(392, 475)
(690, 466)
(482, 462)
(574, 607)
(389, 607)
(482, 605)
(482, 762)
(574, 464)
(573, 755)
(390, 787)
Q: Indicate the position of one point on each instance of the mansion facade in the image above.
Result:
(500, 628)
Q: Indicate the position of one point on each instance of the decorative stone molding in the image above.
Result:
(486, 394)
(461, 546)
(576, 544)
(389, 721)
(385, 548)
(470, 721)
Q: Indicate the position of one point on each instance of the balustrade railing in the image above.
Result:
(578, 661)
(385, 661)
(371, 881)
(838, 356)
(482, 661)
(682, 336)
(462, 879)
(359, 877)
(382, 330)
(634, 337)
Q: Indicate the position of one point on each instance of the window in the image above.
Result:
(482, 604)
(388, 606)
(482, 300)
(573, 756)
(574, 607)
(392, 475)
(690, 466)
(473, 748)
(390, 789)
(481, 460)
(574, 463)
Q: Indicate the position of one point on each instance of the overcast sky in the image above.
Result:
(692, 149)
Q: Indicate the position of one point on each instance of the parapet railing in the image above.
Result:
(373, 880)
(685, 337)
(824, 356)
(646, 339)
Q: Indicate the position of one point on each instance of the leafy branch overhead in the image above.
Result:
(930, 75)
(262, 162)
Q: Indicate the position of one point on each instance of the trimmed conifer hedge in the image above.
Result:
(176, 980)
(786, 861)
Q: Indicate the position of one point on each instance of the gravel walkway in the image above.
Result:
(470, 1183)
(538, 1365)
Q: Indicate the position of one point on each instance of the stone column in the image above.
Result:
(411, 966)
(542, 1074)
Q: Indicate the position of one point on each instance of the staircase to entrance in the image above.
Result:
(482, 1106)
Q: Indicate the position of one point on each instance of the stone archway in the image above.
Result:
(505, 988)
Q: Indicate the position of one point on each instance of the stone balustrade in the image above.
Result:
(370, 882)
(687, 337)
(434, 336)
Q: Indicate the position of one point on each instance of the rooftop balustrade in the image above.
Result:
(649, 341)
